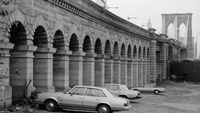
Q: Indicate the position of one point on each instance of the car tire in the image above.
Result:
(104, 109)
(50, 105)
(156, 92)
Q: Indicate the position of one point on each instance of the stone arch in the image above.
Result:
(59, 40)
(123, 50)
(129, 53)
(135, 52)
(144, 52)
(18, 59)
(74, 43)
(139, 52)
(98, 46)
(107, 50)
(18, 34)
(87, 46)
(116, 49)
(40, 38)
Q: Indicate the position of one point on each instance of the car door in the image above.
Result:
(91, 99)
(74, 99)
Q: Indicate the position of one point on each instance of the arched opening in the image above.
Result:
(116, 49)
(171, 31)
(73, 44)
(58, 42)
(129, 51)
(99, 64)
(43, 62)
(123, 50)
(139, 53)
(40, 37)
(75, 62)
(60, 62)
(183, 54)
(88, 63)
(19, 60)
(144, 52)
(98, 47)
(107, 48)
(182, 34)
(87, 45)
(135, 52)
(18, 34)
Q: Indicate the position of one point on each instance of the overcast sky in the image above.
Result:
(144, 10)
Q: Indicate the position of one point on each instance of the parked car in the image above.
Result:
(83, 98)
(123, 91)
(150, 88)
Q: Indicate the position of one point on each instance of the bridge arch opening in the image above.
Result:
(171, 31)
(182, 34)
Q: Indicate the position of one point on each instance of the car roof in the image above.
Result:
(89, 87)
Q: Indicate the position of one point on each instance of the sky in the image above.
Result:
(142, 10)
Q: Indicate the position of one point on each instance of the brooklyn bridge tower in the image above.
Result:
(179, 27)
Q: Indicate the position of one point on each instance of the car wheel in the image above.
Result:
(156, 92)
(104, 109)
(50, 105)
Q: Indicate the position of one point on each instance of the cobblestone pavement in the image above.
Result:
(179, 98)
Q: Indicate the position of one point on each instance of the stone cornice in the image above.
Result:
(101, 15)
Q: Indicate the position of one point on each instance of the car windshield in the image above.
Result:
(123, 87)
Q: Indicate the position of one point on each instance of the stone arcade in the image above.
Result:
(61, 43)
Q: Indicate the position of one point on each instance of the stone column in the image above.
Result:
(108, 70)
(148, 71)
(130, 73)
(164, 47)
(124, 70)
(99, 70)
(76, 68)
(140, 73)
(88, 69)
(152, 55)
(145, 72)
(135, 73)
(116, 70)
(5, 76)
(21, 69)
(43, 69)
(61, 70)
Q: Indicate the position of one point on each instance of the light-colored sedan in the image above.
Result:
(150, 88)
(83, 98)
(123, 91)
